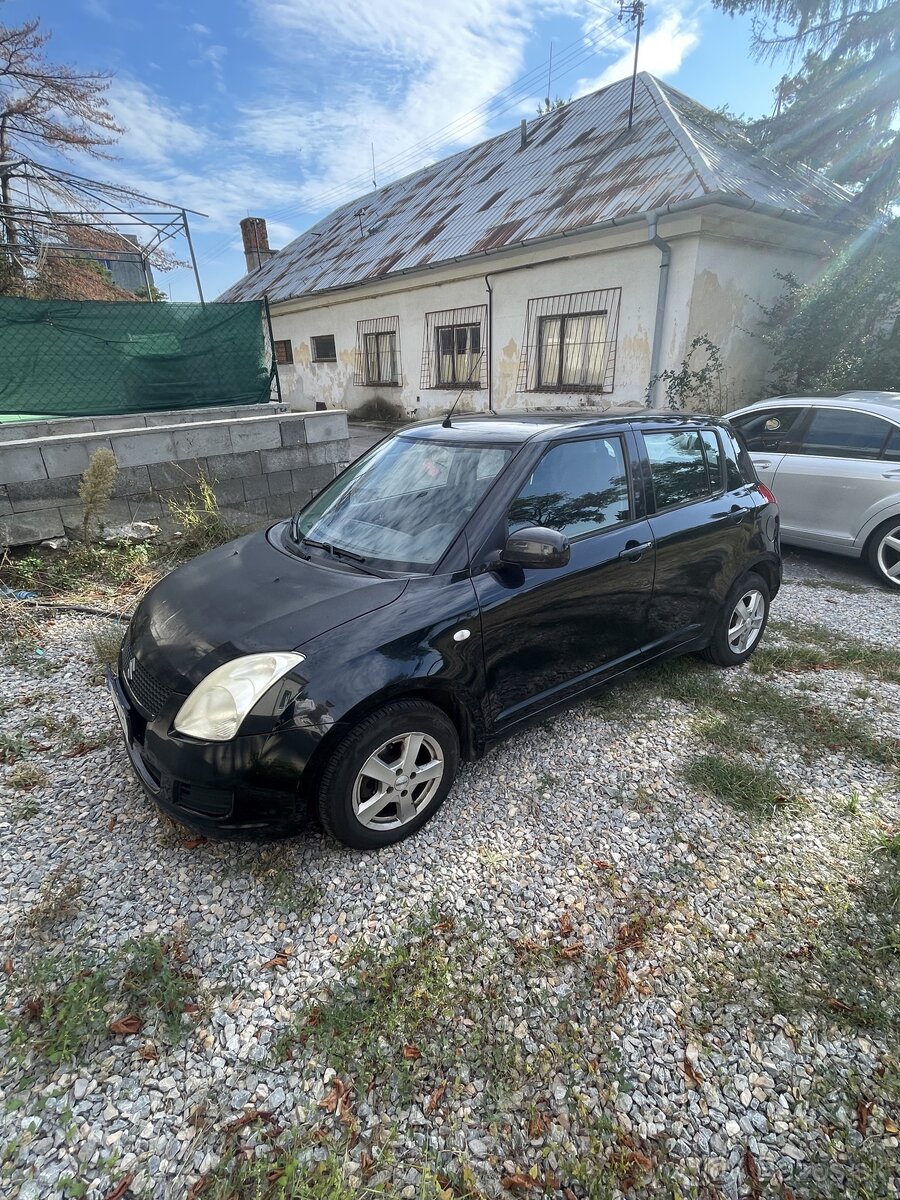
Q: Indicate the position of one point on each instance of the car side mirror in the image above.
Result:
(536, 546)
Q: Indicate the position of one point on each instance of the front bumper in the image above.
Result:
(250, 785)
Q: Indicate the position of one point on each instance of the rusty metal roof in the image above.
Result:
(580, 167)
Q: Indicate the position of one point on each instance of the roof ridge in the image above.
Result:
(692, 152)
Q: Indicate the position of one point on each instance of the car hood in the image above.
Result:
(242, 598)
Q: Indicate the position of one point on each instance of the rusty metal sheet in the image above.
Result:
(580, 166)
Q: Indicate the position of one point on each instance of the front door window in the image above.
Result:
(577, 488)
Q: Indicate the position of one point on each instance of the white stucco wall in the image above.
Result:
(718, 263)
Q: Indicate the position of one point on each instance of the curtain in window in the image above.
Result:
(380, 358)
(549, 365)
(585, 351)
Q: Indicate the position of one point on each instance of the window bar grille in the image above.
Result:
(576, 304)
(475, 314)
(376, 325)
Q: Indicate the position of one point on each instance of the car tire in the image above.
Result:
(883, 551)
(369, 793)
(741, 622)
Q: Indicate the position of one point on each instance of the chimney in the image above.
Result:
(255, 237)
(523, 134)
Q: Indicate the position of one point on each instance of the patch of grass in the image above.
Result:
(83, 570)
(26, 809)
(834, 585)
(412, 1015)
(67, 1001)
(748, 789)
(277, 872)
(811, 647)
(69, 737)
(25, 777)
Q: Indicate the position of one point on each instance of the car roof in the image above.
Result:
(883, 404)
(524, 427)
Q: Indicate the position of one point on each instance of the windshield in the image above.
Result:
(402, 505)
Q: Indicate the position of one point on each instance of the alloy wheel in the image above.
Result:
(746, 621)
(398, 781)
(888, 556)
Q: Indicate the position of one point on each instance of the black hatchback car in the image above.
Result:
(451, 585)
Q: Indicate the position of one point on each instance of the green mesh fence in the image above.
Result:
(84, 358)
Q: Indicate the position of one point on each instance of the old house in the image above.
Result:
(561, 264)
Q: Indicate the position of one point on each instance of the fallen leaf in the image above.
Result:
(569, 1194)
(412, 1053)
(366, 1162)
(334, 1100)
(444, 925)
(601, 864)
(631, 935)
(643, 1161)
(621, 982)
(436, 1097)
(249, 1118)
(890, 1126)
(8, 966)
(572, 951)
(193, 843)
(752, 1172)
(126, 1025)
(121, 1187)
(190, 1007)
(863, 1112)
(112, 824)
(839, 1005)
(31, 1009)
(274, 1175)
(148, 1052)
(691, 1071)
(518, 1182)
(538, 1126)
(279, 959)
(565, 924)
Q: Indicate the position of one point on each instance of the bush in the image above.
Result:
(96, 487)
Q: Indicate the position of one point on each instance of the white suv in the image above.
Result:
(834, 466)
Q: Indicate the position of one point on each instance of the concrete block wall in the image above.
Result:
(262, 465)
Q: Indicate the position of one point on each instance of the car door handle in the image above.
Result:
(634, 550)
(890, 474)
(734, 516)
(764, 466)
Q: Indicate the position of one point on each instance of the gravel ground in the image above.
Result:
(584, 978)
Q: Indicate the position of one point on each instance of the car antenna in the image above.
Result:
(445, 424)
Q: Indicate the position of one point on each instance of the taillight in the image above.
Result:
(767, 494)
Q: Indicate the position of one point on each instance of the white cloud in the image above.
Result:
(664, 47)
(154, 131)
(198, 28)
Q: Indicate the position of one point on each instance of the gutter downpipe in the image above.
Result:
(490, 342)
(665, 259)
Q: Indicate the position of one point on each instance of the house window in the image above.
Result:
(323, 348)
(572, 352)
(569, 344)
(454, 348)
(284, 355)
(378, 352)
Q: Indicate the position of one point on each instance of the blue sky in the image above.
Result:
(270, 107)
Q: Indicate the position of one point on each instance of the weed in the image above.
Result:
(95, 488)
(26, 809)
(105, 643)
(57, 900)
(284, 891)
(834, 585)
(84, 571)
(202, 525)
(13, 747)
(25, 777)
(69, 1000)
(749, 789)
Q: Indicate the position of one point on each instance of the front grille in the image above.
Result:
(142, 685)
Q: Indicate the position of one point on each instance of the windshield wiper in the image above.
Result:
(334, 551)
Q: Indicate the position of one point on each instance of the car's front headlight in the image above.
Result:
(216, 707)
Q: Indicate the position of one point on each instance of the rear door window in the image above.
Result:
(739, 470)
(844, 433)
(892, 449)
(769, 428)
(577, 488)
(678, 467)
(713, 453)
